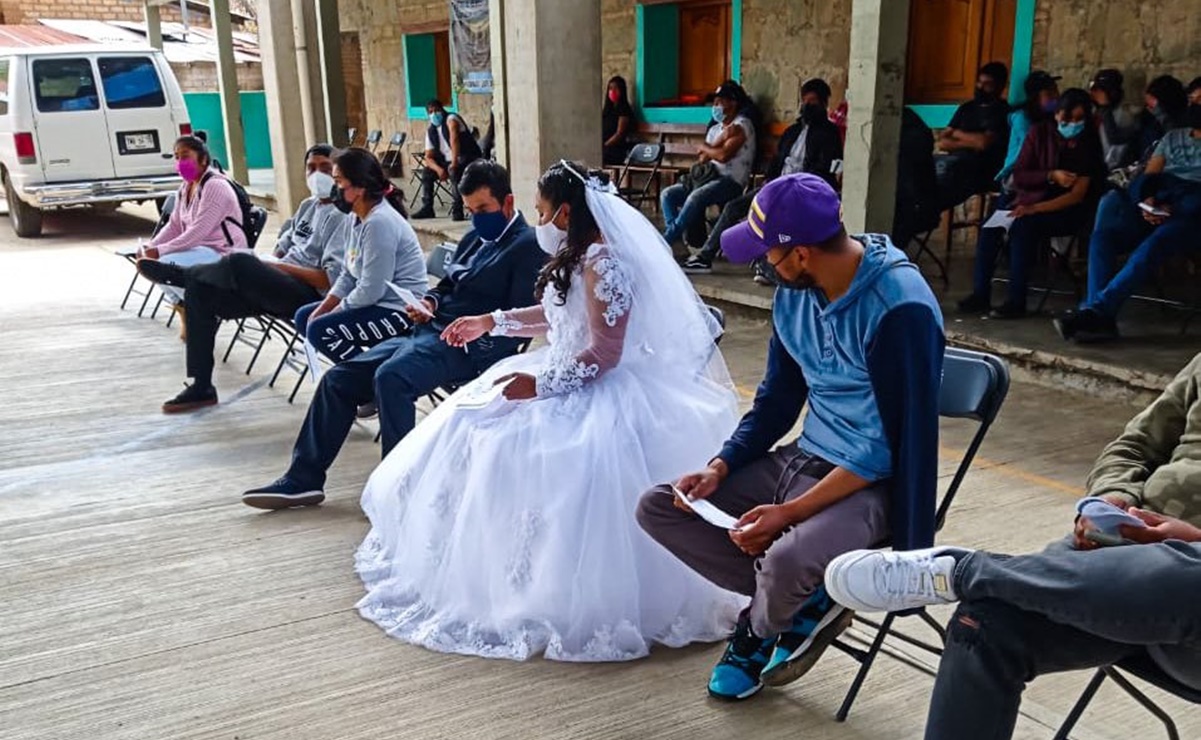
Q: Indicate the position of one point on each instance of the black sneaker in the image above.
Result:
(814, 627)
(163, 273)
(366, 411)
(974, 304)
(457, 215)
(762, 275)
(698, 266)
(283, 494)
(424, 213)
(1089, 327)
(1007, 311)
(191, 398)
(736, 675)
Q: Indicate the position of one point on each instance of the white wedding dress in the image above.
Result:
(510, 532)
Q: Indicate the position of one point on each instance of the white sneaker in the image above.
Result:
(885, 581)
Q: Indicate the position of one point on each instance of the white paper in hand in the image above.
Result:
(708, 511)
(1000, 219)
(310, 355)
(411, 300)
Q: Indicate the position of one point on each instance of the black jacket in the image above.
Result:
(469, 148)
(822, 147)
(485, 277)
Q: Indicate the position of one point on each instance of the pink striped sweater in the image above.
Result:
(197, 223)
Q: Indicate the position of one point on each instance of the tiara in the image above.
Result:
(593, 182)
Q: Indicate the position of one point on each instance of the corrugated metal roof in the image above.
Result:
(197, 45)
(26, 36)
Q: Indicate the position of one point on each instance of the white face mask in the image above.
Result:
(550, 237)
(320, 184)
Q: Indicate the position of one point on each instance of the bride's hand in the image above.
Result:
(518, 386)
(466, 329)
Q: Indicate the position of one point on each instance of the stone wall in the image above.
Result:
(27, 12)
(1074, 38)
(202, 77)
(381, 25)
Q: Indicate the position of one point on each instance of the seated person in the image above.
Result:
(1042, 100)
(206, 222)
(362, 309)
(975, 140)
(730, 147)
(1117, 125)
(858, 337)
(1071, 606)
(1171, 185)
(1056, 181)
(309, 252)
(917, 187)
(811, 144)
(617, 122)
(1165, 105)
(449, 148)
(495, 268)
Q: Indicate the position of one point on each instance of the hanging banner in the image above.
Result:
(472, 42)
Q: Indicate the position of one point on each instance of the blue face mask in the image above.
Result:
(490, 226)
(1050, 105)
(1071, 130)
(719, 113)
(438, 119)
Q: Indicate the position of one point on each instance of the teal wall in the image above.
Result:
(204, 109)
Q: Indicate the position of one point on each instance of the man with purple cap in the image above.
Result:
(858, 336)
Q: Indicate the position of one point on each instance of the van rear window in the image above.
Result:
(64, 85)
(131, 82)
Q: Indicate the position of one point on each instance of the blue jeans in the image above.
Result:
(395, 373)
(1025, 236)
(345, 332)
(1024, 616)
(1120, 227)
(682, 209)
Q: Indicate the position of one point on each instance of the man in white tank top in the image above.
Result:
(730, 146)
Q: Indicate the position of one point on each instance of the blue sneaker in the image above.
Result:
(736, 675)
(283, 494)
(814, 628)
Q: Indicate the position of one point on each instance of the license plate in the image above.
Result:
(140, 143)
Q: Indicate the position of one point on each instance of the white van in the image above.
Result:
(86, 125)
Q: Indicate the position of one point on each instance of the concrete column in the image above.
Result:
(876, 81)
(304, 91)
(154, 25)
(316, 87)
(277, 44)
(496, 29)
(333, 82)
(231, 101)
(551, 77)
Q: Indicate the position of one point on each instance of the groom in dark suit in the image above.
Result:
(495, 268)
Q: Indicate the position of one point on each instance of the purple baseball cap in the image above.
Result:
(797, 210)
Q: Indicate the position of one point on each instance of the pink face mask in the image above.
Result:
(189, 169)
(614, 96)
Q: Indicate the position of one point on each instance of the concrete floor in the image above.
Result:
(142, 601)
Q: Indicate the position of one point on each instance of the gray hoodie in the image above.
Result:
(315, 237)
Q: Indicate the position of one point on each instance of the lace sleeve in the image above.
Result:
(519, 322)
(610, 297)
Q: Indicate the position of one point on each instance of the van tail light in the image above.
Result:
(26, 153)
(185, 129)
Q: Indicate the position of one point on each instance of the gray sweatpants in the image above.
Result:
(780, 580)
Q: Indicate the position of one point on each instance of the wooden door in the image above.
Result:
(442, 66)
(948, 42)
(352, 76)
(704, 46)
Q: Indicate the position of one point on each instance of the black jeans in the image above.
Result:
(734, 213)
(236, 286)
(1059, 610)
(429, 180)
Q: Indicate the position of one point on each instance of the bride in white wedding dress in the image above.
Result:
(509, 531)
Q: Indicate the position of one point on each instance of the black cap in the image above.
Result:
(1108, 80)
(1037, 81)
(728, 90)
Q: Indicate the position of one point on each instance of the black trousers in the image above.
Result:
(429, 180)
(236, 286)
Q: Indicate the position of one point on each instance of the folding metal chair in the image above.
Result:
(254, 335)
(351, 134)
(1145, 669)
(293, 358)
(130, 255)
(391, 158)
(643, 157)
(374, 137)
(442, 189)
(974, 386)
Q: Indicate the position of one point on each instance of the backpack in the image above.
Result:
(247, 222)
